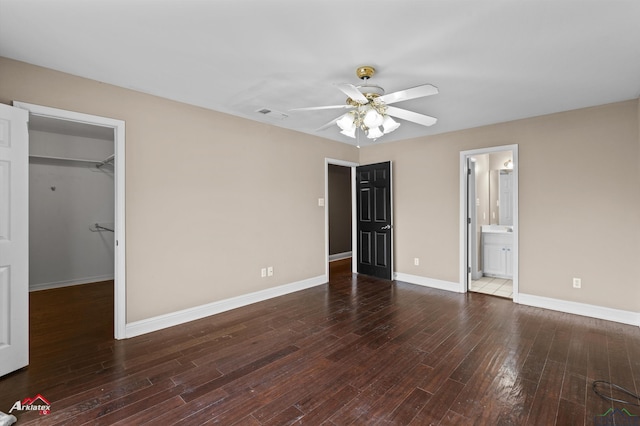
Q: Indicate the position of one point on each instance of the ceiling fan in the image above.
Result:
(370, 108)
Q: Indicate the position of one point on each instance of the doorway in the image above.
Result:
(489, 221)
(371, 228)
(71, 203)
(338, 206)
(115, 227)
(335, 181)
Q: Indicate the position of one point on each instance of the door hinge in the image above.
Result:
(469, 220)
(468, 269)
(469, 172)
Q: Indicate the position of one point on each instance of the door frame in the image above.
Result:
(464, 229)
(473, 237)
(118, 126)
(354, 246)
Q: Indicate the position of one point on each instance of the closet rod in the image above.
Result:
(102, 227)
(61, 159)
(109, 159)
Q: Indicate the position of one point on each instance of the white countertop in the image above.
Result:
(497, 229)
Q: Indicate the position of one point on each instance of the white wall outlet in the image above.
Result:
(270, 271)
(416, 261)
(320, 202)
(263, 272)
(577, 283)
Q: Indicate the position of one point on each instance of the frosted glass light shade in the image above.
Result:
(350, 132)
(372, 119)
(374, 133)
(346, 122)
(389, 124)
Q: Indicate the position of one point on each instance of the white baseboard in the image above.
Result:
(340, 256)
(67, 283)
(428, 282)
(593, 311)
(148, 325)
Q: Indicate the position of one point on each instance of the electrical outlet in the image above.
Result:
(577, 283)
(416, 261)
(263, 272)
(270, 271)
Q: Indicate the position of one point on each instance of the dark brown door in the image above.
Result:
(375, 227)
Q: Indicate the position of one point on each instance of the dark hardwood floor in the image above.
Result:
(357, 350)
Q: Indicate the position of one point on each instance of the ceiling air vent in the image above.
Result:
(272, 114)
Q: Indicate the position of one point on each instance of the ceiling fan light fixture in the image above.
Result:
(346, 122)
(373, 118)
(389, 124)
(350, 132)
(374, 133)
(371, 109)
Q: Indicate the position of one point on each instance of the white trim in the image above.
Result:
(584, 309)
(354, 231)
(428, 282)
(340, 256)
(119, 214)
(462, 287)
(69, 283)
(160, 322)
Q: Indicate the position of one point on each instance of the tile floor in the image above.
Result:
(495, 286)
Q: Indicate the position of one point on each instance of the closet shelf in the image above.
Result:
(64, 160)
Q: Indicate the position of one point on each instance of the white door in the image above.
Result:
(14, 239)
(472, 207)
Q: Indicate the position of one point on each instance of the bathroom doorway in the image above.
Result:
(489, 213)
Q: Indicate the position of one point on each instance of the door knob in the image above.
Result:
(384, 228)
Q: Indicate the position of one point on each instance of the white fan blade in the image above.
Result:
(352, 91)
(329, 124)
(404, 114)
(322, 107)
(412, 93)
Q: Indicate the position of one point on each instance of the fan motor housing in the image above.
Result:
(365, 72)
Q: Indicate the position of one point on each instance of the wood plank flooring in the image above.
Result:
(357, 350)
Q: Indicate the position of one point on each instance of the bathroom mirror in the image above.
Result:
(494, 188)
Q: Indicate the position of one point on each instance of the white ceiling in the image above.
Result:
(492, 60)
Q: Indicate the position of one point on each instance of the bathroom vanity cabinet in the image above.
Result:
(497, 254)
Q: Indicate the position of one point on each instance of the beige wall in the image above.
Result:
(211, 199)
(579, 202)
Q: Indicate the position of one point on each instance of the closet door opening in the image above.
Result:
(71, 203)
(76, 215)
(71, 233)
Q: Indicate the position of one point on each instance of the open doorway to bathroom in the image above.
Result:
(490, 212)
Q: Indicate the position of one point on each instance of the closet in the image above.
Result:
(71, 203)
